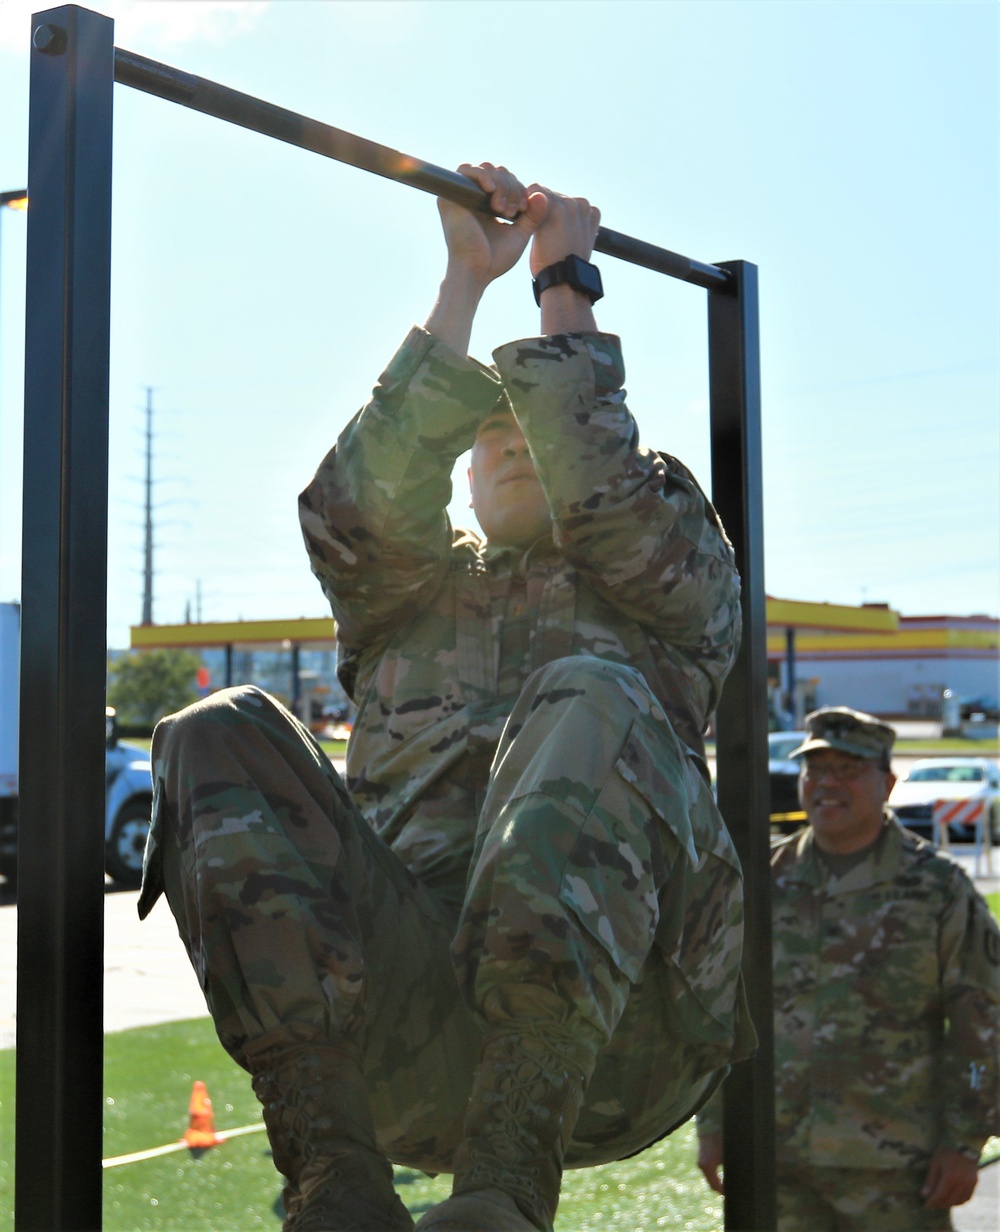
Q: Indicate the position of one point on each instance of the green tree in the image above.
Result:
(145, 685)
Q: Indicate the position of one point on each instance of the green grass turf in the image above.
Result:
(234, 1187)
(147, 1084)
(334, 749)
(951, 746)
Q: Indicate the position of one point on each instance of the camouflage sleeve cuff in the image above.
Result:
(971, 1148)
(709, 1118)
(970, 1137)
(577, 354)
(446, 395)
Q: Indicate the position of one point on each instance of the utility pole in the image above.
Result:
(147, 585)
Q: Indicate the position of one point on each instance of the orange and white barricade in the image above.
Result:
(968, 813)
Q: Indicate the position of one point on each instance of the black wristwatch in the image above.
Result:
(573, 270)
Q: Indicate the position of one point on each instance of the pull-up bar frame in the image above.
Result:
(74, 65)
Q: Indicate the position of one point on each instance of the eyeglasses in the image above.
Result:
(842, 771)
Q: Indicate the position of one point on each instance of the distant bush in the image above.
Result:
(145, 685)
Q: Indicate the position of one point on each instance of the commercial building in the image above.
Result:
(869, 657)
(906, 672)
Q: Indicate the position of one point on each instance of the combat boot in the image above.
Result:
(526, 1096)
(319, 1123)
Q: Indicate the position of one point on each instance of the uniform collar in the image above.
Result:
(543, 548)
(881, 864)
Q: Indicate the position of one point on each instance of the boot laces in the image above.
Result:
(533, 1076)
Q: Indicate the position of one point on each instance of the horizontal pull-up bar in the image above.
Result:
(262, 117)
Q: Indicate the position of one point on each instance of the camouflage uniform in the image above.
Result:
(887, 1021)
(528, 796)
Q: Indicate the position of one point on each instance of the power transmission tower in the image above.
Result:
(147, 576)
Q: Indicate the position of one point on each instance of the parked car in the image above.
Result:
(947, 778)
(128, 803)
(783, 772)
(984, 705)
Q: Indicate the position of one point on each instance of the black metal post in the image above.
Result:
(63, 628)
(734, 380)
(793, 704)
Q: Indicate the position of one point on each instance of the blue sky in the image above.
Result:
(848, 149)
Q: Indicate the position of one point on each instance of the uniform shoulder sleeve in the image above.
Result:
(633, 521)
(374, 516)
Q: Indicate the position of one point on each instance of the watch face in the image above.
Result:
(585, 277)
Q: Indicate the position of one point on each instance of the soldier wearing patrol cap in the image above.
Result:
(513, 942)
(887, 1004)
(851, 731)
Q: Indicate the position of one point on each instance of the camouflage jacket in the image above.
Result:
(887, 1007)
(438, 631)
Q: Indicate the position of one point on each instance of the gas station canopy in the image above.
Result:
(319, 632)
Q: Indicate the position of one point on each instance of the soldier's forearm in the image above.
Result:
(451, 318)
(567, 311)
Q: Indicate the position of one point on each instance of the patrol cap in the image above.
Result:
(849, 731)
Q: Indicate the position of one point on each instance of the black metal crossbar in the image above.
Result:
(224, 103)
(74, 65)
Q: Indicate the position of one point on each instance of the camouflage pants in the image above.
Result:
(814, 1199)
(600, 870)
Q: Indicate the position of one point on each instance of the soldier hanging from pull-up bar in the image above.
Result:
(512, 942)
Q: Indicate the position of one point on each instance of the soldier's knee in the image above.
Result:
(205, 723)
(589, 673)
(615, 692)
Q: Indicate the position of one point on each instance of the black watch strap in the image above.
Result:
(575, 272)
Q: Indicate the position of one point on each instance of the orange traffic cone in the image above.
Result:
(201, 1123)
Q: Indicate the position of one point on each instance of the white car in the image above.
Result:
(783, 772)
(947, 778)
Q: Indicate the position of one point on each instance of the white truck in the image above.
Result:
(129, 793)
